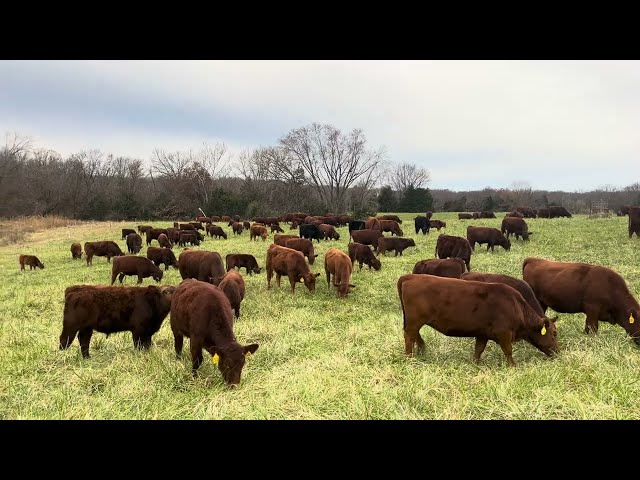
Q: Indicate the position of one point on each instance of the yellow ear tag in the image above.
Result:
(544, 330)
(631, 319)
(247, 353)
(302, 279)
(215, 358)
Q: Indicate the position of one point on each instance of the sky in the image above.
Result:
(558, 125)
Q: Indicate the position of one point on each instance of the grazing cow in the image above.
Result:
(488, 235)
(372, 223)
(367, 237)
(216, 232)
(279, 238)
(542, 213)
(214, 218)
(105, 248)
(515, 226)
(186, 226)
(464, 216)
(527, 212)
(311, 232)
(127, 231)
(464, 308)
(422, 223)
(446, 267)
(162, 255)
(391, 226)
(76, 251)
(203, 219)
(520, 285)
(202, 313)
(239, 260)
(596, 291)
(258, 231)
(294, 225)
(201, 265)
(476, 215)
(164, 241)
(329, 220)
(397, 244)
(429, 215)
(236, 218)
(515, 214)
(437, 224)
(132, 265)
(189, 237)
(338, 264)
(143, 228)
(344, 220)
(237, 228)
(106, 309)
(449, 246)
(231, 222)
(355, 225)
(555, 212)
(329, 232)
(153, 234)
(302, 245)
(198, 225)
(173, 234)
(246, 225)
(390, 217)
(276, 229)
(31, 260)
(487, 214)
(134, 243)
(634, 221)
(363, 255)
(289, 262)
(233, 287)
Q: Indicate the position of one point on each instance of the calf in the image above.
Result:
(217, 232)
(239, 260)
(258, 231)
(446, 267)
(391, 226)
(449, 246)
(363, 255)
(311, 232)
(488, 235)
(421, 223)
(164, 241)
(132, 265)
(31, 260)
(516, 226)
(634, 221)
(398, 245)
(188, 238)
(338, 264)
(76, 251)
(203, 313)
(289, 262)
(127, 231)
(459, 308)
(134, 243)
(329, 232)
(464, 216)
(105, 248)
(520, 285)
(596, 291)
(367, 237)
(237, 228)
(276, 228)
(162, 255)
(201, 265)
(106, 309)
(233, 287)
(437, 224)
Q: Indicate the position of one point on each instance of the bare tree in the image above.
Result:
(408, 175)
(521, 193)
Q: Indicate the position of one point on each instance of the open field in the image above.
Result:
(319, 357)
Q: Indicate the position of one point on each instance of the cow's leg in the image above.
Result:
(292, 281)
(178, 341)
(145, 342)
(278, 278)
(137, 339)
(113, 277)
(591, 322)
(120, 277)
(419, 343)
(196, 355)
(481, 344)
(84, 336)
(139, 279)
(328, 279)
(269, 277)
(504, 340)
(410, 338)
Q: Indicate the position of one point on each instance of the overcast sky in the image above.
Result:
(570, 125)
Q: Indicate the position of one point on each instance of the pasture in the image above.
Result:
(320, 357)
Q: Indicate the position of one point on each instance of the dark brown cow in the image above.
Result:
(397, 244)
(338, 264)
(237, 228)
(240, 260)
(437, 224)
(188, 237)
(201, 265)
(164, 241)
(555, 212)
(302, 245)
(520, 285)
(214, 218)
(143, 228)
(527, 212)
(596, 291)
(153, 234)
(634, 221)
(134, 243)
(173, 234)
(236, 218)
(279, 239)
(343, 220)
(421, 223)
(203, 219)
(162, 255)
(391, 226)
(372, 223)
(363, 255)
(76, 251)
(487, 214)
(202, 313)
(446, 267)
(367, 237)
(106, 309)
(429, 215)
(514, 214)
(233, 287)
(246, 225)
(258, 231)
(231, 222)
(127, 231)
(289, 262)
(624, 210)
(329, 232)
(186, 226)
(276, 229)
(449, 246)
(294, 225)
(217, 232)
(134, 266)
(31, 260)
(198, 225)
(464, 216)
(105, 248)
(515, 226)
(390, 217)
(542, 213)
(488, 235)
(464, 308)
(476, 215)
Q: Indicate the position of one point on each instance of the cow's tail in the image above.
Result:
(404, 316)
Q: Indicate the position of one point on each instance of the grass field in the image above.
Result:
(319, 357)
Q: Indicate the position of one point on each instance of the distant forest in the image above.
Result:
(315, 169)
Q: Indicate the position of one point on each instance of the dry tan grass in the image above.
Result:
(19, 229)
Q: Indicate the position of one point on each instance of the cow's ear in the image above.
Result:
(250, 349)
(530, 233)
(352, 286)
(315, 255)
(317, 274)
(554, 319)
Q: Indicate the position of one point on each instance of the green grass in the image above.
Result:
(319, 357)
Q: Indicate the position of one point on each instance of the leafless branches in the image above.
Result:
(407, 175)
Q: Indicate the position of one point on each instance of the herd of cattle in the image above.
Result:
(441, 292)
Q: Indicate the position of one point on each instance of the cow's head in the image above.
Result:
(630, 321)
(231, 360)
(374, 262)
(312, 258)
(157, 274)
(544, 335)
(411, 243)
(504, 242)
(256, 269)
(309, 279)
(344, 288)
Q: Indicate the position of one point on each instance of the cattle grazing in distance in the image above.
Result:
(160, 255)
(201, 265)
(476, 215)
(437, 224)
(465, 216)
(302, 245)
(490, 236)
(173, 234)
(202, 313)
(598, 292)
(216, 232)
(237, 228)
(429, 215)
(236, 218)
(395, 218)
(232, 285)
(487, 214)
(634, 221)
(188, 237)
(276, 229)
(421, 224)
(516, 226)
(527, 212)
(154, 233)
(242, 260)
(520, 285)
(355, 225)
(134, 266)
(246, 225)
(127, 231)
(198, 225)
(514, 214)
(446, 267)
(337, 264)
(555, 212)
(391, 226)
(134, 243)
(164, 242)
(106, 309)
(461, 308)
(372, 223)
(76, 251)
(142, 229)
(186, 226)
(363, 255)
(329, 232)
(311, 232)
(31, 260)
(397, 244)
(106, 248)
(449, 246)
(203, 219)
(367, 237)
(258, 231)
(214, 218)
(291, 263)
